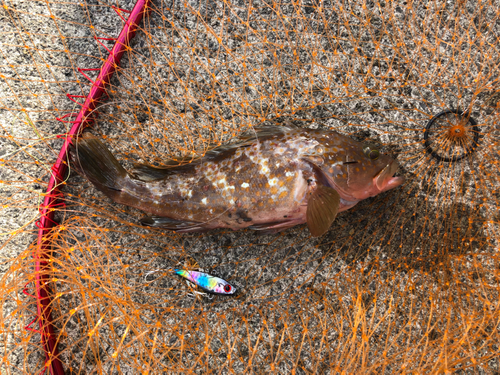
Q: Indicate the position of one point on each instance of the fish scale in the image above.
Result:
(278, 178)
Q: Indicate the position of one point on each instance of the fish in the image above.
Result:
(270, 180)
(209, 283)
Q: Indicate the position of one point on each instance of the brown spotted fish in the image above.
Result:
(277, 178)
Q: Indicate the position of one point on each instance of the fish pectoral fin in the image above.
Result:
(322, 208)
(171, 224)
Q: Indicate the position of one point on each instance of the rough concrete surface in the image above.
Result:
(406, 281)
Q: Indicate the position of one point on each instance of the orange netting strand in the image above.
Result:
(408, 281)
(59, 169)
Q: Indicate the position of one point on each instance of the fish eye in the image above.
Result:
(374, 154)
(227, 288)
(371, 152)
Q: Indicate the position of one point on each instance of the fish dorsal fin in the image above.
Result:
(148, 173)
(248, 138)
(322, 207)
(262, 133)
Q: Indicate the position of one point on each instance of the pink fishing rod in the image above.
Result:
(59, 169)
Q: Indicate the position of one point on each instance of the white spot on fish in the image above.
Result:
(289, 174)
(190, 193)
(273, 181)
(264, 169)
(231, 201)
(204, 201)
(244, 185)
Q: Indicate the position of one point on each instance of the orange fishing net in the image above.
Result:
(407, 281)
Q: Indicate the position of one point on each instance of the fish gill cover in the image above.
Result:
(407, 281)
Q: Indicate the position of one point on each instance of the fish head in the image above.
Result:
(223, 287)
(359, 170)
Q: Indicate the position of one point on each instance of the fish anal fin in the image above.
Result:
(274, 227)
(175, 225)
(322, 208)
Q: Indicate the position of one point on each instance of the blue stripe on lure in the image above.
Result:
(207, 282)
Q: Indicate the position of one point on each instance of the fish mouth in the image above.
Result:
(385, 180)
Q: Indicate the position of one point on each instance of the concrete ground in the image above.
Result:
(406, 281)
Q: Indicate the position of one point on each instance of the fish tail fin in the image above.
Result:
(97, 163)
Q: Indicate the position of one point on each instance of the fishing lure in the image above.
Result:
(207, 282)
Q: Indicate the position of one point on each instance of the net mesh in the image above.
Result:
(406, 281)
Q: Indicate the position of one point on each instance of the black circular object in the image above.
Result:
(466, 149)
